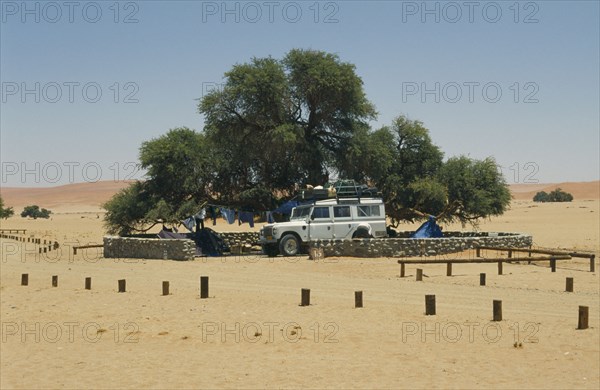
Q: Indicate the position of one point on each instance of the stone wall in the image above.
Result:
(452, 242)
(239, 238)
(153, 248)
(149, 248)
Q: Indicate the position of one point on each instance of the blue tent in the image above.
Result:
(429, 229)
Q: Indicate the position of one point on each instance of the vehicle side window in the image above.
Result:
(368, 211)
(375, 211)
(320, 212)
(341, 211)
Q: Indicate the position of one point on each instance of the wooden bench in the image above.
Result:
(583, 255)
(500, 261)
(86, 247)
(17, 231)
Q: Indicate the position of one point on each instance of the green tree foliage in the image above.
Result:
(35, 212)
(541, 196)
(126, 211)
(5, 212)
(402, 161)
(409, 185)
(180, 174)
(278, 123)
(558, 195)
(476, 189)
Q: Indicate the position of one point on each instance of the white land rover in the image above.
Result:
(325, 219)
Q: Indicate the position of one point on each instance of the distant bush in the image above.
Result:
(35, 212)
(558, 195)
(5, 212)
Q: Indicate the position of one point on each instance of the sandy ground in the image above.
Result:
(252, 333)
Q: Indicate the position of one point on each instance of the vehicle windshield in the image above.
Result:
(300, 213)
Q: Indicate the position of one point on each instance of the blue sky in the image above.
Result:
(84, 83)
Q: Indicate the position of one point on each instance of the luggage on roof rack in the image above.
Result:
(315, 194)
(339, 190)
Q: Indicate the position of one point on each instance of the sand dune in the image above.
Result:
(65, 198)
(80, 197)
(579, 190)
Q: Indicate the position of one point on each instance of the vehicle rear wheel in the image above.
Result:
(270, 250)
(361, 233)
(289, 245)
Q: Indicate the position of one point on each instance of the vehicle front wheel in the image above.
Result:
(289, 245)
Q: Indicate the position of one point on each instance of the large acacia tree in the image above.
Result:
(280, 124)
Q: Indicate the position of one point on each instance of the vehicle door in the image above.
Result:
(320, 226)
(342, 221)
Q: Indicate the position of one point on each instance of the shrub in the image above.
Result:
(35, 212)
(558, 195)
(5, 212)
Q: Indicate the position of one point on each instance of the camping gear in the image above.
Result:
(208, 242)
(429, 229)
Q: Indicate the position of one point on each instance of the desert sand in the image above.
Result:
(252, 333)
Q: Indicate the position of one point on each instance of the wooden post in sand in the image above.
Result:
(54, 280)
(429, 305)
(419, 275)
(482, 279)
(203, 287)
(497, 310)
(88, 283)
(569, 287)
(358, 301)
(583, 317)
(553, 264)
(499, 268)
(402, 269)
(449, 269)
(592, 263)
(121, 285)
(305, 297)
(24, 279)
(165, 288)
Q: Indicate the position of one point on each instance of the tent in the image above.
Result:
(429, 229)
(208, 242)
(168, 233)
